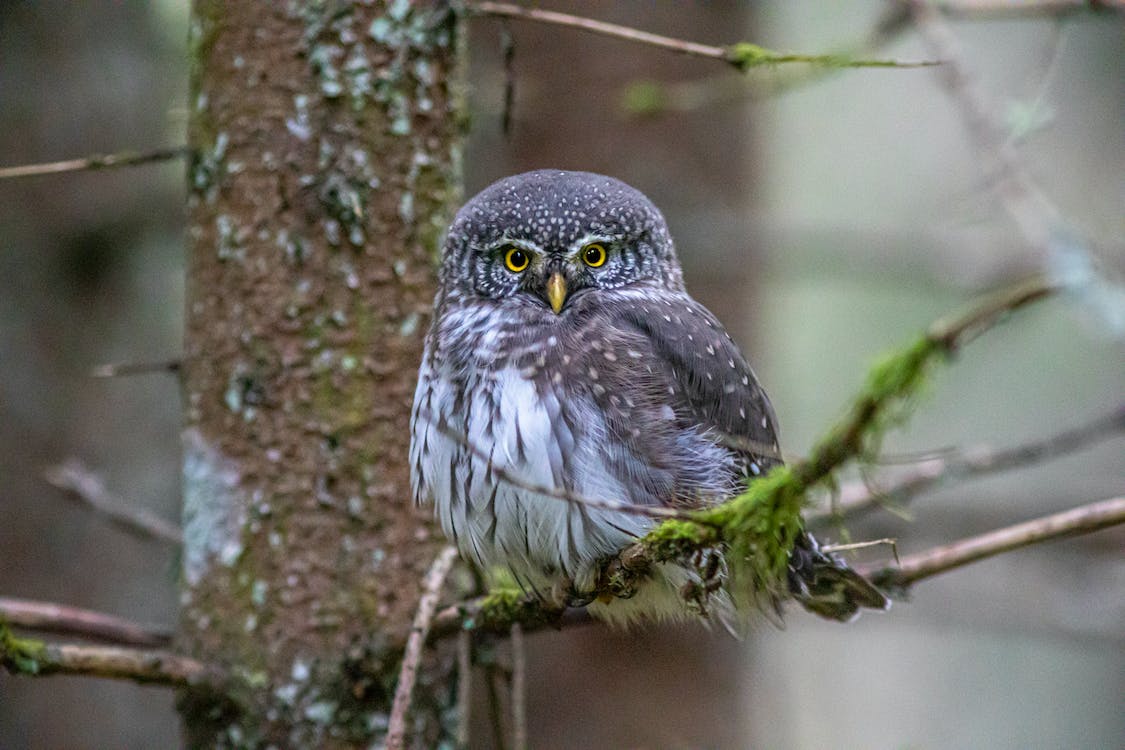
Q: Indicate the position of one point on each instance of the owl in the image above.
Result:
(564, 351)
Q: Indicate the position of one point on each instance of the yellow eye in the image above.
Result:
(516, 259)
(593, 255)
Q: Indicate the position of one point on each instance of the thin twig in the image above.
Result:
(651, 511)
(866, 495)
(1081, 520)
(464, 687)
(30, 657)
(97, 161)
(988, 9)
(1031, 211)
(48, 617)
(74, 478)
(851, 546)
(519, 688)
(412, 657)
(743, 56)
(114, 370)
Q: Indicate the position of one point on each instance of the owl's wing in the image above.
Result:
(713, 387)
(710, 386)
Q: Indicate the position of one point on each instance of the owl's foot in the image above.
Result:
(565, 594)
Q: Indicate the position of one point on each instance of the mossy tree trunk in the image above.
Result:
(326, 139)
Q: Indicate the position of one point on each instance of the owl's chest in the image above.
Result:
(491, 447)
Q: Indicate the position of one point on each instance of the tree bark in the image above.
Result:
(325, 141)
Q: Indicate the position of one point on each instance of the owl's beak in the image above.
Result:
(556, 291)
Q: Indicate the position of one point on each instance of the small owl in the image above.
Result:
(565, 351)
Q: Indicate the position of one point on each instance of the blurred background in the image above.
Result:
(824, 225)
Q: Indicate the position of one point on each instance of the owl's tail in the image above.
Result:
(826, 586)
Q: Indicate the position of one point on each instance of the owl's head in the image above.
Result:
(546, 238)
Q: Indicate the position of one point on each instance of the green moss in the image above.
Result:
(745, 56)
(20, 655)
(502, 607)
(676, 538)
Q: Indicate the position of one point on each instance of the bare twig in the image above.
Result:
(1080, 520)
(860, 496)
(48, 617)
(80, 483)
(743, 56)
(519, 689)
(31, 657)
(986, 9)
(651, 511)
(97, 161)
(1031, 211)
(113, 370)
(427, 605)
(464, 687)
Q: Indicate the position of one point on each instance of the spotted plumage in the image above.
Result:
(566, 352)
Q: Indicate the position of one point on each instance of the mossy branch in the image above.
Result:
(28, 656)
(760, 526)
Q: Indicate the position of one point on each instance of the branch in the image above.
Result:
(743, 56)
(431, 590)
(1081, 520)
(97, 161)
(649, 97)
(79, 483)
(1029, 208)
(865, 495)
(988, 9)
(47, 617)
(496, 612)
(31, 657)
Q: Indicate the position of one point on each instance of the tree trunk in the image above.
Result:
(326, 138)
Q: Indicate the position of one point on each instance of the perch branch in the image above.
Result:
(97, 161)
(743, 56)
(860, 496)
(1081, 520)
(78, 482)
(47, 617)
(31, 657)
(427, 605)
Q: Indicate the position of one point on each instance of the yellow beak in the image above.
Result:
(556, 291)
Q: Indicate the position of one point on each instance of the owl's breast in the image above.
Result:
(494, 449)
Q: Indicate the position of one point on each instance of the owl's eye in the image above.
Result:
(516, 259)
(593, 255)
